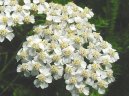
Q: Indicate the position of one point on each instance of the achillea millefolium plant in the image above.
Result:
(65, 46)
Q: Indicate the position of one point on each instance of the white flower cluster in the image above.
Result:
(66, 46)
(13, 14)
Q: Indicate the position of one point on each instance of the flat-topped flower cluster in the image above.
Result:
(66, 46)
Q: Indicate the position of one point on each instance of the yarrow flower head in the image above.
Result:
(68, 47)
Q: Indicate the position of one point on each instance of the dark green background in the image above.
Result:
(111, 20)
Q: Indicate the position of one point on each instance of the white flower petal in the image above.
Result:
(86, 91)
(43, 85)
(2, 38)
(10, 36)
(101, 91)
(27, 1)
(49, 79)
(69, 87)
(37, 83)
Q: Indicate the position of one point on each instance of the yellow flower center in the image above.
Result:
(80, 90)
(111, 53)
(83, 52)
(52, 45)
(67, 52)
(65, 17)
(56, 58)
(4, 19)
(54, 69)
(13, 2)
(68, 70)
(34, 7)
(95, 66)
(15, 20)
(101, 84)
(27, 19)
(55, 37)
(47, 32)
(41, 77)
(37, 30)
(42, 55)
(94, 76)
(24, 67)
(37, 66)
(110, 73)
(23, 54)
(79, 26)
(19, 8)
(85, 73)
(104, 45)
(77, 40)
(76, 62)
(64, 45)
(96, 54)
(73, 80)
(105, 61)
(3, 32)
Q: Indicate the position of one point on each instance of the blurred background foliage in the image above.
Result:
(111, 20)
